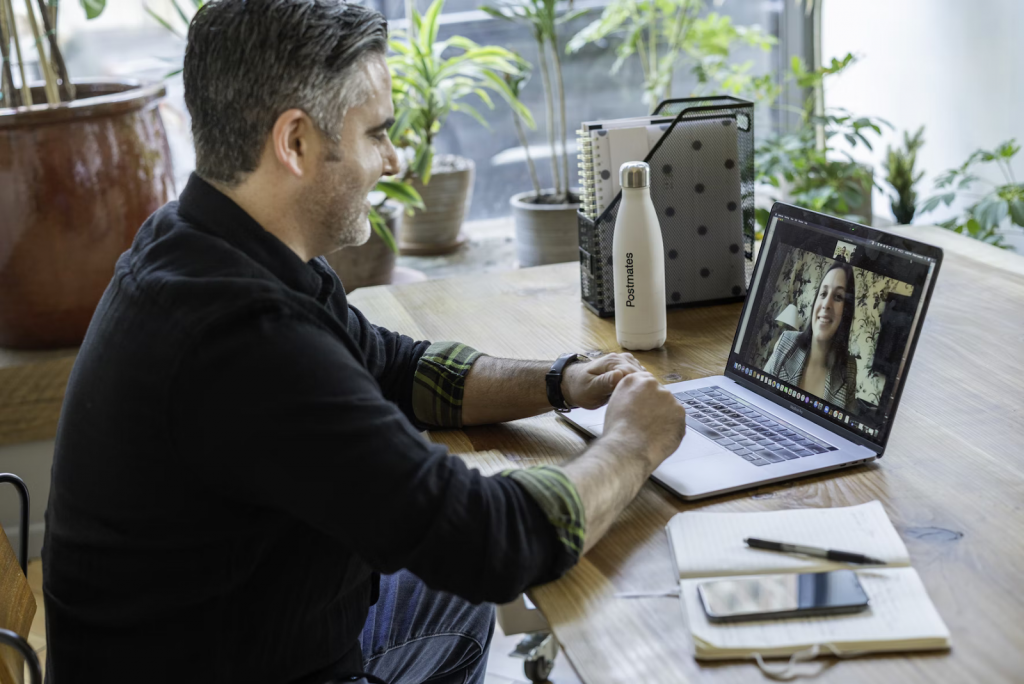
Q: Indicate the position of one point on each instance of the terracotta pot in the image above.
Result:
(372, 263)
(545, 233)
(79, 180)
(435, 230)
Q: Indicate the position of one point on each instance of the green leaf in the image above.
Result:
(1017, 212)
(398, 128)
(930, 204)
(990, 213)
(482, 94)
(381, 229)
(471, 111)
(611, 20)
(1008, 149)
(422, 163)
(430, 25)
(163, 22)
(417, 23)
(398, 46)
(497, 84)
(181, 13)
(403, 193)
(571, 15)
(93, 8)
(761, 215)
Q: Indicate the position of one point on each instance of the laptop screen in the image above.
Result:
(834, 312)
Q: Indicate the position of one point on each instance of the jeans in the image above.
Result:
(415, 634)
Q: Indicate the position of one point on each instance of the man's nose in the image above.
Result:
(391, 165)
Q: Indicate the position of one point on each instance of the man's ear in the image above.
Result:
(293, 140)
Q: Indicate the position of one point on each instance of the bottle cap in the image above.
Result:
(634, 175)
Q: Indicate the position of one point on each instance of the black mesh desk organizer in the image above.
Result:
(702, 262)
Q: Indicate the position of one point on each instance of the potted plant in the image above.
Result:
(86, 163)
(804, 168)
(902, 177)
(665, 33)
(373, 263)
(993, 212)
(545, 219)
(431, 80)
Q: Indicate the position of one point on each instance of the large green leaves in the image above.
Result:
(431, 79)
(665, 34)
(1003, 203)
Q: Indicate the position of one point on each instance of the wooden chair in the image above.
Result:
(17, 605)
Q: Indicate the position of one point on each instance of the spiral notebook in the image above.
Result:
(604, 146)
(900, 615)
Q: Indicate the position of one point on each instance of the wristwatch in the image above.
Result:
(553, 381)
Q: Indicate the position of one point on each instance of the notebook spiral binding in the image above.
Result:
(595, 231)
(586, 166)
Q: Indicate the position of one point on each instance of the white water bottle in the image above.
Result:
(638, 260)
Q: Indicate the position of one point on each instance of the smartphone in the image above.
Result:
(782, 596)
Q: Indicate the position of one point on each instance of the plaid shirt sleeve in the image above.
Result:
(557, 496)
(439, 383)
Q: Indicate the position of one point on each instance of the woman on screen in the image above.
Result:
(818, 359)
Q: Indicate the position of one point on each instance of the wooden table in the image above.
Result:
(952, 479)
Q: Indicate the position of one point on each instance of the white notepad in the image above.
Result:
(900, 616)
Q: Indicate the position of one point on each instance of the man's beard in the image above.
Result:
(338, 211)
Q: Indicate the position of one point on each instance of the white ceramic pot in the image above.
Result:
(545, 233)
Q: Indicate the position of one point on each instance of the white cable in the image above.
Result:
(790, 669)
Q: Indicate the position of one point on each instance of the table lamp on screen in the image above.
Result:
(788, 319)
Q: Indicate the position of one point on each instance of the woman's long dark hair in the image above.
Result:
(839, 351)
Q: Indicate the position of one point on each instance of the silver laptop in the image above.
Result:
(817, 365)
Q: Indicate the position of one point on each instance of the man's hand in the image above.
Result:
(643, 426)
(589, 385)
(643, 413)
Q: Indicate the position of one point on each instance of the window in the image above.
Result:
(591, 92)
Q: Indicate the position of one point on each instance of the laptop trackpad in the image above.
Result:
(695, 445)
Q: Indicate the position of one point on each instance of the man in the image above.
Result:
(239, 455)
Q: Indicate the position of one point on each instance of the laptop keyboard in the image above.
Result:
(749, 433)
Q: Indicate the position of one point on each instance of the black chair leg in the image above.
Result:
(35, 673)
(23, 493)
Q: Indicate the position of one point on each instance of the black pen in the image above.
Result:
(841, 556)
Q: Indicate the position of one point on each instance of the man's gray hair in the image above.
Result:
(249, 61)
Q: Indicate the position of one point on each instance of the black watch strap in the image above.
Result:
(553, 381)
